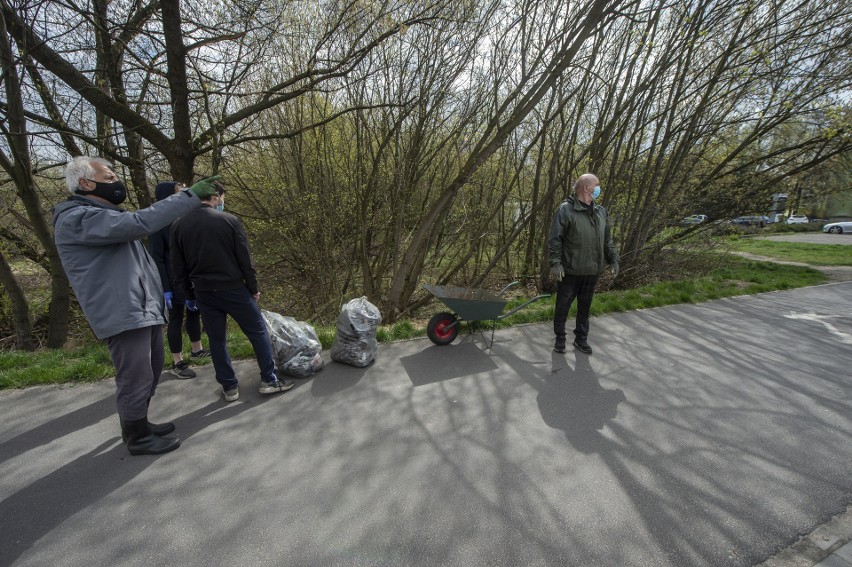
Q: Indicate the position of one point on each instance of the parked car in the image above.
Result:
(838, 227)
(750, 220)
(693, 219)
(797, 219)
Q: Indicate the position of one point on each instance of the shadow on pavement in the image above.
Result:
(44, 504)
(574, 401)
(455, 361)
(688, 486)
(56, 428)
(336, 377)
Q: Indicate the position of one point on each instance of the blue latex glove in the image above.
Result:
(191, 305)
(167, 295)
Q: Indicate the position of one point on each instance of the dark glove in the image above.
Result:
(167, 295)
(191, 305)
(615, 268)
(557, 272)
(205, 188)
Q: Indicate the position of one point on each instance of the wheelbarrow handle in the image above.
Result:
(522, 305)
(502, 291)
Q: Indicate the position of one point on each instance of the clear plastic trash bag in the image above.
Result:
(355, 340)
(295, 346)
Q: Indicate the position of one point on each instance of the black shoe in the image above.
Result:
(158, 429)
(583, 346)
(182, 370)
(559, 345)
(203, 353)
(142, 441)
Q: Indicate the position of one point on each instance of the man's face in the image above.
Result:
(586, 190)
(102, 174)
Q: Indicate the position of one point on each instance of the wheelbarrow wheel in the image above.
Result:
(439, 330)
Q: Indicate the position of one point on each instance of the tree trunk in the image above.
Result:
(59, 309)
(182, 157)
(19, 168)
(20, 307)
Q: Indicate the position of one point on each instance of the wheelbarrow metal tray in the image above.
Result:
(469, 304)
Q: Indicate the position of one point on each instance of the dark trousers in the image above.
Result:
(583, 289)
(176, 318)
(138, 358)
(215, 307)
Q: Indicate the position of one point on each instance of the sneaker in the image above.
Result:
(277, 386)
(203, 353)
(583, 346)
(182, 370)
(232, 395)
(559, 345)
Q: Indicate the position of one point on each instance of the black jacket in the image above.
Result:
(210, 252)
(159, 245)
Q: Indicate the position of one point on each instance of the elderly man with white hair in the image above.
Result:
(118, 286)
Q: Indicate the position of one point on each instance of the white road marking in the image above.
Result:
(845, 338)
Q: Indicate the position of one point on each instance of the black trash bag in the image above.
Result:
(295, 346)
(355, 339)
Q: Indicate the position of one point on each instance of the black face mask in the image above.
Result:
(114, 192)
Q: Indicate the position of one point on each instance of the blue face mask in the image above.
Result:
(220, 207)
(596, 192)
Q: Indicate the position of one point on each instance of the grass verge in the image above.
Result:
(813, 254)
(738, 277)
(84, 364)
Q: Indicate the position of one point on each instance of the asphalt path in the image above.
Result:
(712, 434)
(811, 238)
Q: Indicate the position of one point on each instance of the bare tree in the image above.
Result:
(690, 98)
(567, 36)
(18, 165)
(372, 146)
(160, 85)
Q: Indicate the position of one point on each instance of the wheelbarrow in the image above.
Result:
(471, 305)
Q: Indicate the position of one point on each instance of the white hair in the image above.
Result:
(79, 168)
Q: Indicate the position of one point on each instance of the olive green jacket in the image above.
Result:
(581, 240)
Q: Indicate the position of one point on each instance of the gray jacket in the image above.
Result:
(114, 278)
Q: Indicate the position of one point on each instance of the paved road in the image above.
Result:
(697, 435)
(812, 238)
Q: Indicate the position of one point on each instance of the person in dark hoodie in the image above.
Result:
(212, 265)
(160, 248)
(118, 287)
